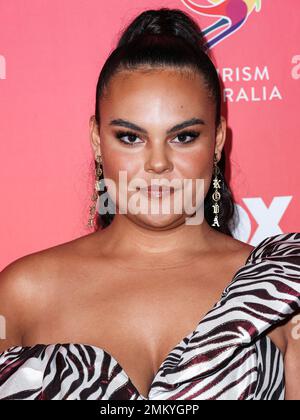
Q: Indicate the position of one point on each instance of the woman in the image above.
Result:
(150, 306)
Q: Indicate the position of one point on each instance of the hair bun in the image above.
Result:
(164, 21)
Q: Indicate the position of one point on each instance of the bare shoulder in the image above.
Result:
(235, 251)
(236, 245)
(17, 298)
(28, 284)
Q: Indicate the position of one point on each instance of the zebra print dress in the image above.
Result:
(227, 357)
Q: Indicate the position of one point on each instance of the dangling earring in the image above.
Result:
(95, 196)
(216, 196)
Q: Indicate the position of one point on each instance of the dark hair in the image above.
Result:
(168, 38)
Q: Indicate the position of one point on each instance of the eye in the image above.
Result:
(120, 135)
(192, 134)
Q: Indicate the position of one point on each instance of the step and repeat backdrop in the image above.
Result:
(51, 53)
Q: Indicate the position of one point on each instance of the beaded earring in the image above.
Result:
(95, 197)
(216, 196)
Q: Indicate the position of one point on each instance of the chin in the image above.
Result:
(158, 221)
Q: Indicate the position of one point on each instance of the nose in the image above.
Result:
(158, 160)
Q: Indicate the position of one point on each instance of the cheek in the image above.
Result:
(114, 163)
(119, 169)
(195, 165)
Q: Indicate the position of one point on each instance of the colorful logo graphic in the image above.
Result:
(232, 14)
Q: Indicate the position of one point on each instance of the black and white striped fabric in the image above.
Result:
(227, 357)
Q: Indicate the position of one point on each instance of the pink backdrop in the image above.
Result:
(51, 52)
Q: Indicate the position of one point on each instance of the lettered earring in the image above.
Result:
(216, 196)
(95, 197)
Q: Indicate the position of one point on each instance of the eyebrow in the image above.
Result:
(177, 127)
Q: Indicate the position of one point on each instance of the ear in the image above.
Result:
(95, 135)
(220, 137)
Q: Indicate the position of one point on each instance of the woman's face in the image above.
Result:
(155, 102)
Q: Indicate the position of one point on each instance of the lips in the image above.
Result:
(158, 188)
(157, 191)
